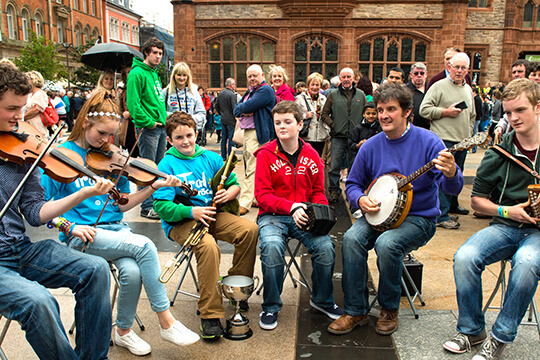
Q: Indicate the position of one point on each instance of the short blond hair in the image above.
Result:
(314, 76)
(519, 86)
(278, 69)
(35, 78)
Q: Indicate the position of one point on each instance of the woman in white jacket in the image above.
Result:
(181, 95)
(312, 102)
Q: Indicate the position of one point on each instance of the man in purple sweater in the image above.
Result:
(401, 148)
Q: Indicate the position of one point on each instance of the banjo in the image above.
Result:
(394, 191)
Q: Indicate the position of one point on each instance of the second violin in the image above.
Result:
(110, 159)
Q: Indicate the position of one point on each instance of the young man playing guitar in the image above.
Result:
(500, 190)
(401, 148)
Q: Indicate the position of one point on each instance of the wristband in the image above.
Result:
(151, 185)
(505, 212)
(295, 209)
(500, 211)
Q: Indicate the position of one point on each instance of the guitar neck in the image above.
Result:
(424, 169)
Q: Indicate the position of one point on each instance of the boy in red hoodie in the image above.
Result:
(290, 173)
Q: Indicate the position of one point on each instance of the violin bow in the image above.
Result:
(123, 170)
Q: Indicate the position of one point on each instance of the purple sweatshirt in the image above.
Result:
(380, 155)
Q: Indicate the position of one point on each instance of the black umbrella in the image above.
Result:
(112, 56)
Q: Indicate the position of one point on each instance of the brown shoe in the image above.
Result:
(387, 323)
(243, 211)
(346, 323)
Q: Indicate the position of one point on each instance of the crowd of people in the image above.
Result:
(359, 129)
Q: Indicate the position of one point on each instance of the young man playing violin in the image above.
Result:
(500, 190)
(290, 173)
(135, 256)
(27, 269)
(401, 148)
(197, 167)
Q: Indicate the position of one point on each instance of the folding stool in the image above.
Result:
(501, 282)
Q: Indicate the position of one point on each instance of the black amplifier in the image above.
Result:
(414, 267)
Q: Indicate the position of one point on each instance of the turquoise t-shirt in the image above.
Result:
(86, 212)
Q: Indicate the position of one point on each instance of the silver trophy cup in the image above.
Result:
(237, 288)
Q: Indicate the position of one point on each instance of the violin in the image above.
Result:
(110, 159)
(25, 144)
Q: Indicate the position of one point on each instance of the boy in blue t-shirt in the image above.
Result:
(197, 166)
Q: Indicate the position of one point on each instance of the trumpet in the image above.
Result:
(195, 235)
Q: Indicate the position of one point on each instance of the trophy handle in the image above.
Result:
(256, 280)
(219, 287)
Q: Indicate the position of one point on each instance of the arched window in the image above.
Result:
(315, 54)
(95, 34)
(11, 22)
(231, 55)
(61, 30)
(528, 15)
(39, 25)
(377, 55)
(86, 34)
(25, 17)
(78, 35)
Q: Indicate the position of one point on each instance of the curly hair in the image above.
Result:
(365, 85)
(12, 79)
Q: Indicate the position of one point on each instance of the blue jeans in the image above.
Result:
(273, 230)
(489, 245)
(445, 200)
(135, 256)
(27, 269)
(152, 145)
(391, 246)
(338, 151)
(226, 140)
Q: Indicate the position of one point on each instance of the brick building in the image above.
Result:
(220, 38)
(61, 21)
(121, 23)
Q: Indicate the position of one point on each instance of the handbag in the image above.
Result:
(49, 116)
(305, 128)
(238, 136)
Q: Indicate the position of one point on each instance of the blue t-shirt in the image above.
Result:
(196, 171)
(87, 211)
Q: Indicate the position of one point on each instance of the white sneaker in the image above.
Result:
(179, 335)
(133, 343)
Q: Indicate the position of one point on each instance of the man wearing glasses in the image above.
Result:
(449, 105)
(418, 87)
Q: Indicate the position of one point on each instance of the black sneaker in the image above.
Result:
(211, 328)
(333, 312)
(244, 306)
(268, 320)
(462, 342)
(150, 214)
(491, 350)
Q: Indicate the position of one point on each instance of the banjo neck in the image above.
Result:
(424, 169)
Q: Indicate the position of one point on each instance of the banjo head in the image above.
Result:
(384, 190)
